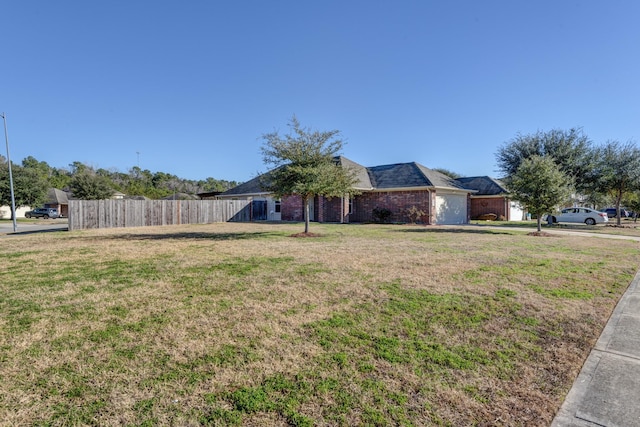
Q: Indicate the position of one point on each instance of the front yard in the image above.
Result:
(241, 324)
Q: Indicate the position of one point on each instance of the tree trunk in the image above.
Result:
(306, 214)
(539, 222)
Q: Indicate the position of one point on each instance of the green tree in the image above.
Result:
(43, 168)
(570, 150)
(87, 185)
(212, 184)
(616, 172)
(5, 183)
(33, 182)
(632, 201)
(29, 185)
(305, 165)
(540, 185)
(60, 178)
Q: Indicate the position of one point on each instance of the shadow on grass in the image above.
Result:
(453, 230)
(184, 236)
(38, 231)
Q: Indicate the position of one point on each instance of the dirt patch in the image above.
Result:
(307, 235)
(540, 234)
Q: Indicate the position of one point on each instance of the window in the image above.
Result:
(277, 206)
(350, 205)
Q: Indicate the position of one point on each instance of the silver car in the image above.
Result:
(581, 215)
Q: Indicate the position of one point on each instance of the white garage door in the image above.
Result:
(451, 208)
(516, 213)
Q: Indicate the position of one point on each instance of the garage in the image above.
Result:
(451, 208)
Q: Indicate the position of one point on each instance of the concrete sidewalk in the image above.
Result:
(607, 390)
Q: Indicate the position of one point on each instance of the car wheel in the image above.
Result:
(27, 216)
(45, 216)
(590, 221)
(553, 218)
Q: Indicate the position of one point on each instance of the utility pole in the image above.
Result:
(13, 199)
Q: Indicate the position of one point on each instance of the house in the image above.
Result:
(263, 205)
(180, 196)
(59, 200)
(209, 195)
(491, 197)
(5, 211)
(397, 187)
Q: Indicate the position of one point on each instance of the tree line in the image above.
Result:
(545, 170)
(33, 178)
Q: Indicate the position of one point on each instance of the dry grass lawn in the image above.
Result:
(242, 324)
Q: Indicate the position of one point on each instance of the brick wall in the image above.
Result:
(329, 210)
(332, 210)
(291, 208)
(325, 210)
(396, 201)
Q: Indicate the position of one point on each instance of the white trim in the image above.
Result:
(486, 196)
(245, 195)
(428, 188)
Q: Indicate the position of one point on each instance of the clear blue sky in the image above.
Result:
(193, 85)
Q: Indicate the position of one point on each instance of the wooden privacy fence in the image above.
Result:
(85, 214)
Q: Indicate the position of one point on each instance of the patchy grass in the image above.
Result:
(241, 324)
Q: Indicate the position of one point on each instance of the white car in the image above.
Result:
(582, 215)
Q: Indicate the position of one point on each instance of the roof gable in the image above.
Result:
(407, 175)
(58, 197)
(484, 185)
(253, 186)
(363, 181)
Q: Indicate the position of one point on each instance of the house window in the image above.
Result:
(350, 205)
(277, 206)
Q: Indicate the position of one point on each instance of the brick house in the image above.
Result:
(491, 197)
(59, 200)
(397, 187)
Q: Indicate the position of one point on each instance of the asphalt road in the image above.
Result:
(6, 227)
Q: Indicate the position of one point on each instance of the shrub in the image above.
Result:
(415, 215)
(381, 215)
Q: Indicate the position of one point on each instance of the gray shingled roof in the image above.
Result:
(254, 186)
(484, 185)
(363, 182)
(385, 177)
(406, 175)
(250, 187)
(57, 197)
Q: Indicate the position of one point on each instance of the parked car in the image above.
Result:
(611, 212)
(42, 213)
(581, 215)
